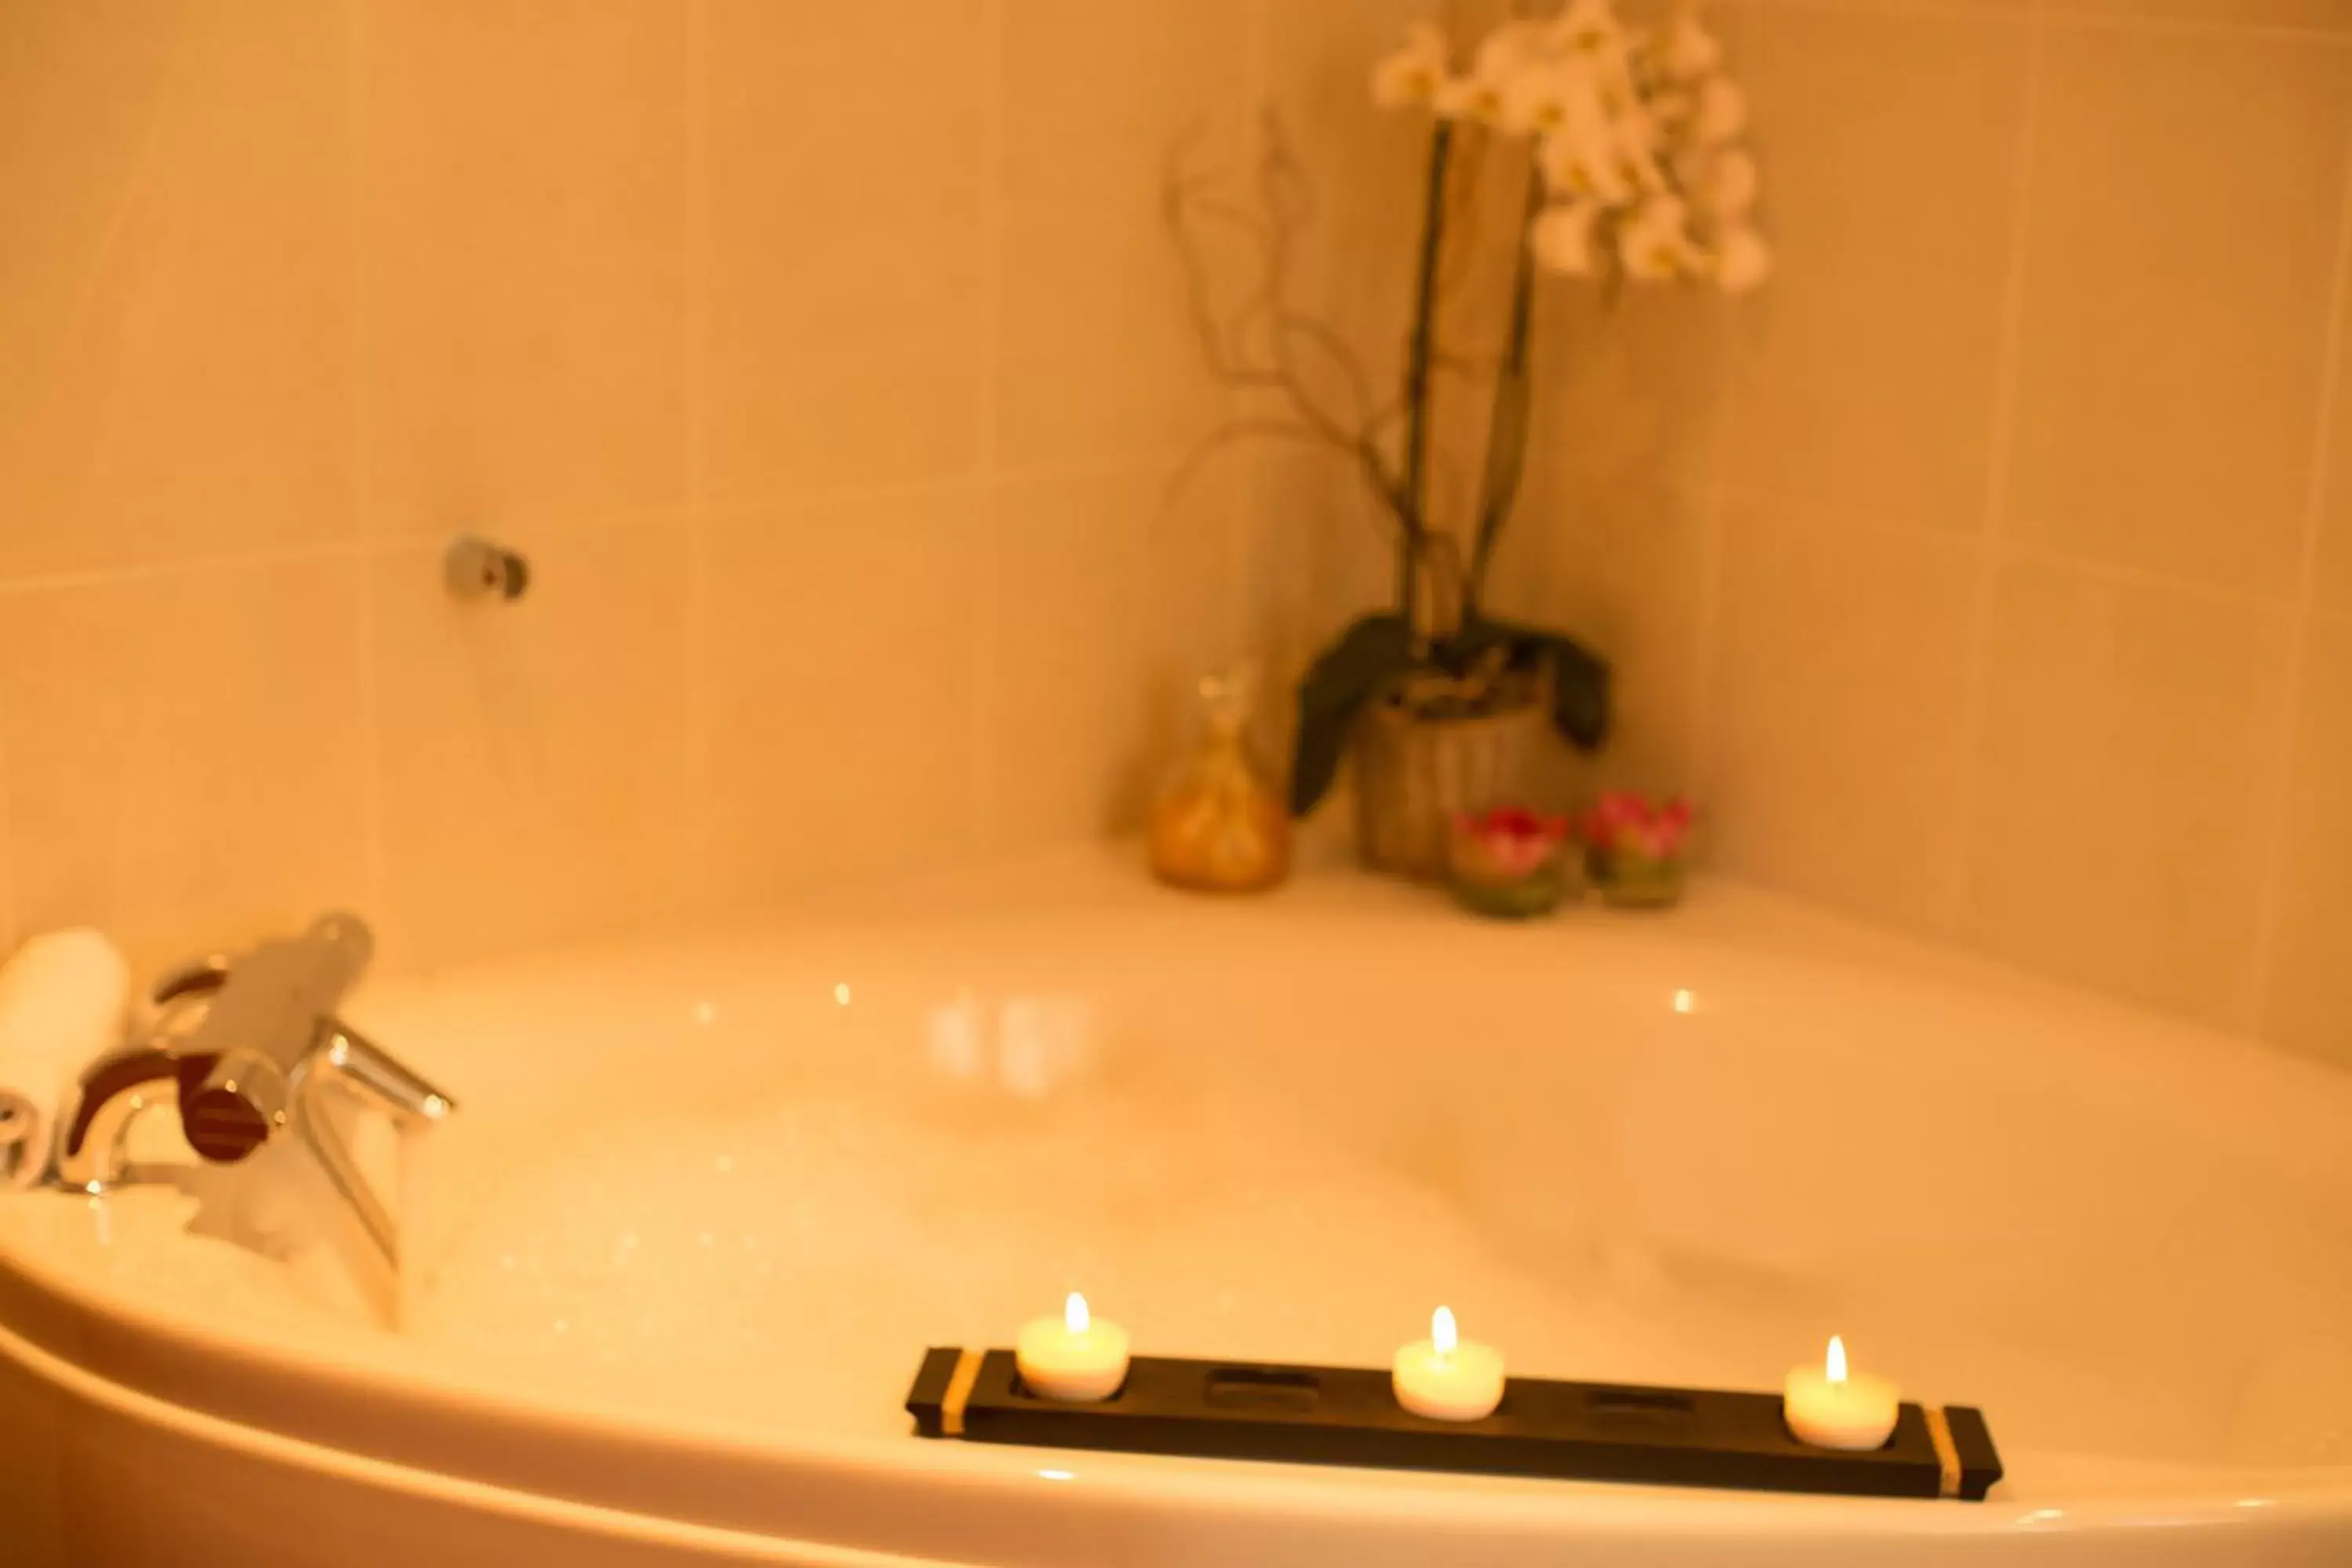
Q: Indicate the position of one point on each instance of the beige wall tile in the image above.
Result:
(2172, 350)
(2124, 788)
(2308, 1003)
(534, 751)
(1631, 382)
(1320, 552)
(1629, 389)
(849, 242)
(1112, 596)
(1865, 377)
(187, 758)
(1095, 358)
(1837, 713)
(174, 281)
(523, 248)
(1366, 169)
(844, 731)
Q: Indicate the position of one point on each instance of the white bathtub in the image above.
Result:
(717, 1195)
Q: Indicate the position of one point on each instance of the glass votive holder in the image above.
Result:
(1510, 863)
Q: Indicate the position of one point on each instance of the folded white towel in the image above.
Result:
(62, 999)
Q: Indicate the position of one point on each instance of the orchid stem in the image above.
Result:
(1417, 373)
(1506, 431)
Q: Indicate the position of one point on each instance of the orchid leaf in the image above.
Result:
(1368, 657)
(1580, 680)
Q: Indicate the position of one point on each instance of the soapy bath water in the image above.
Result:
(789, 1262)
(781, 1253)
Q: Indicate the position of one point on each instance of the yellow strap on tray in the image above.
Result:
(967, 1373)
(1939, 1432)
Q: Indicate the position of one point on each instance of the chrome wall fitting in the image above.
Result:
(476, 568)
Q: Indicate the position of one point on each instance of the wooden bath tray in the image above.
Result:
(1347, 1416)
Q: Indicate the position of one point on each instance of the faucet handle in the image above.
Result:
(230, 1104)
(193, 980)
(116, 1088)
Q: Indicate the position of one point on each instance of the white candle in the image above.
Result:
(1075, 1358)
(1828, 1409)
(1446, 1378)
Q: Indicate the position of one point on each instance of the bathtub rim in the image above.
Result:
(551, 1459)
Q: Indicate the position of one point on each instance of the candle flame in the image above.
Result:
(1836, 1364)
(1442, 1333)
(1077, 1320)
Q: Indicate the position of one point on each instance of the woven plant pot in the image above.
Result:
(1414, 772)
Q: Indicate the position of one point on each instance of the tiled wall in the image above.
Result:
(1991, 573)
(823, 359)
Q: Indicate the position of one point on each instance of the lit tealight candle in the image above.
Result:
(1445, 1378)
(1072, 1358)
(1831, 1410)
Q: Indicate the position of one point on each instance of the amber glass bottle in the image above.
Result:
(1220, 826)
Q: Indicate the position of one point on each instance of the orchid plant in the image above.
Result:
(1628, 144)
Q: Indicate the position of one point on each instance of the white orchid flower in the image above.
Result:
(1671, 107)
(1587, 25)
(1742, 260)
(1719, 113)
(1544, 97)
(1654, 243)
(1613, 65)
(1412, 75)
(1462, 98)
(1685, 51)
(1532, 100)
(1582, 160)
(1638, 168)
(1561, 237)
(1724, 185)
(1509, 52)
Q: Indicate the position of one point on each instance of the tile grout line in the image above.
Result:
(1244, 543)
(2302, 609)
(716, 517)
(374, 860)
(1946, 11)
(68, 581)
(1714, 508)
(8, 932)
(988, 418)
(1700, 733)
(2113, 574)
(1993, 546)
(1813, 514)
(697, 876)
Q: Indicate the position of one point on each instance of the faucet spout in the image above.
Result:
(367, 1073)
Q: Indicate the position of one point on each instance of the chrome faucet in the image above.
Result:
(246, 1048)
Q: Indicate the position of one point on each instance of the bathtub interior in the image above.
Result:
(745, 1178)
